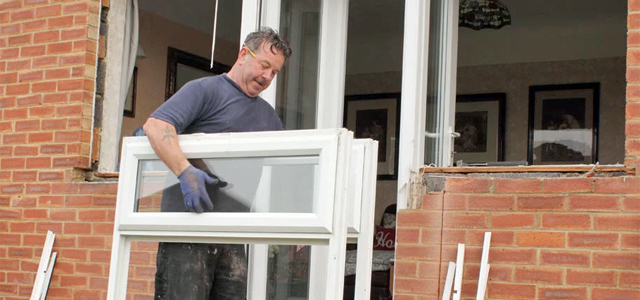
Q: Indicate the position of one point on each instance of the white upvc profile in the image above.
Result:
(332, 63)
(361, 211)
(415, 73)
(414, 94)
(448, 100)
(326, 153)
(264, 145)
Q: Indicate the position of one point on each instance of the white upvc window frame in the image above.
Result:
(414, 92)
(281, 144)
(415, 52)
(359, 221)
(361, 211)
(451, 73)
(333, 146)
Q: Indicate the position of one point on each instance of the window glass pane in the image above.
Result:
(255, 184)
(435, 99)
(288, 272)
(297, 82)
(218, 269)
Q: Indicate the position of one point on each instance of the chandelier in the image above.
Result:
(479, 14)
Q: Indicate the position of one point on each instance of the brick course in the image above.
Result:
(580, 242)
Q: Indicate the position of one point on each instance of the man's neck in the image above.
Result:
(233, 75)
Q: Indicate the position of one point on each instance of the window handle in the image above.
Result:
(431, 135)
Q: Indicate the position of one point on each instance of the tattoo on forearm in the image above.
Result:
(167, 135)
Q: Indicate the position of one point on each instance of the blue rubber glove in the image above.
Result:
(193, 185)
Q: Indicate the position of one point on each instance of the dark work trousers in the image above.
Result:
(201, 272)
(192, 271)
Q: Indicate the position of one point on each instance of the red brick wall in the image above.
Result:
(47, 75)
(81, 215)
(632, 130)
(551, 238)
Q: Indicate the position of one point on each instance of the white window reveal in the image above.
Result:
(291, 188)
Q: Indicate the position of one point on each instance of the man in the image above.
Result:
(223, 103)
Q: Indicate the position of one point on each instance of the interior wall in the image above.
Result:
(156, 35)
(547, 40)
(515, 79)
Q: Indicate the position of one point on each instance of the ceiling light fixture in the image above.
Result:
(479, 14)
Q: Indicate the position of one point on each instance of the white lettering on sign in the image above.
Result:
(382, 239)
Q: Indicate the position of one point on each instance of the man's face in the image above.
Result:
(259, 67)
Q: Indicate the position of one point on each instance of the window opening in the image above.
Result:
(184, 25)
(548, 64)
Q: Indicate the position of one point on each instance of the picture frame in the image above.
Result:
(480, 120)
(377, 116)
(183, 67)
(130, 101)
(563, 124)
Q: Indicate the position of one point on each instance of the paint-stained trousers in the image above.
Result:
(201, 272)
(191, 271)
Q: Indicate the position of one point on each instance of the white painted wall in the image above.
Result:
(541, 31)
(604, 38)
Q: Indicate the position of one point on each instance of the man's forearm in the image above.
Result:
(164, 141)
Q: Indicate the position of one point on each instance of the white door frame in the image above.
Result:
(414, 95)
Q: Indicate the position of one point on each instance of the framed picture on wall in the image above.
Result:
(183, 67)
(377, 116)
(563, 124)
(130, 101)
(480, 123)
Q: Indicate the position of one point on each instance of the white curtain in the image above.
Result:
(129, 53)
(130, 49)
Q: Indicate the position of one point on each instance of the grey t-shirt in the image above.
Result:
(213, 105)
(216, 104)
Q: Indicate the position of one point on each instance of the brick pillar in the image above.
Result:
(632, 128)
(47, 79)
(418, 251)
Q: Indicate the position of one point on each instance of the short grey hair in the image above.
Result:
(266, 34)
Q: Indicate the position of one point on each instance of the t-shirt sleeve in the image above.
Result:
(183, 108)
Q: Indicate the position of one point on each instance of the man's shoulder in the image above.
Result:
(210, 79)
(213, 82)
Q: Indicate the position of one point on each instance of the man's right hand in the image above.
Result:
(193, 185)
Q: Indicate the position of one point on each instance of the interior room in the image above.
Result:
(547, 43)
